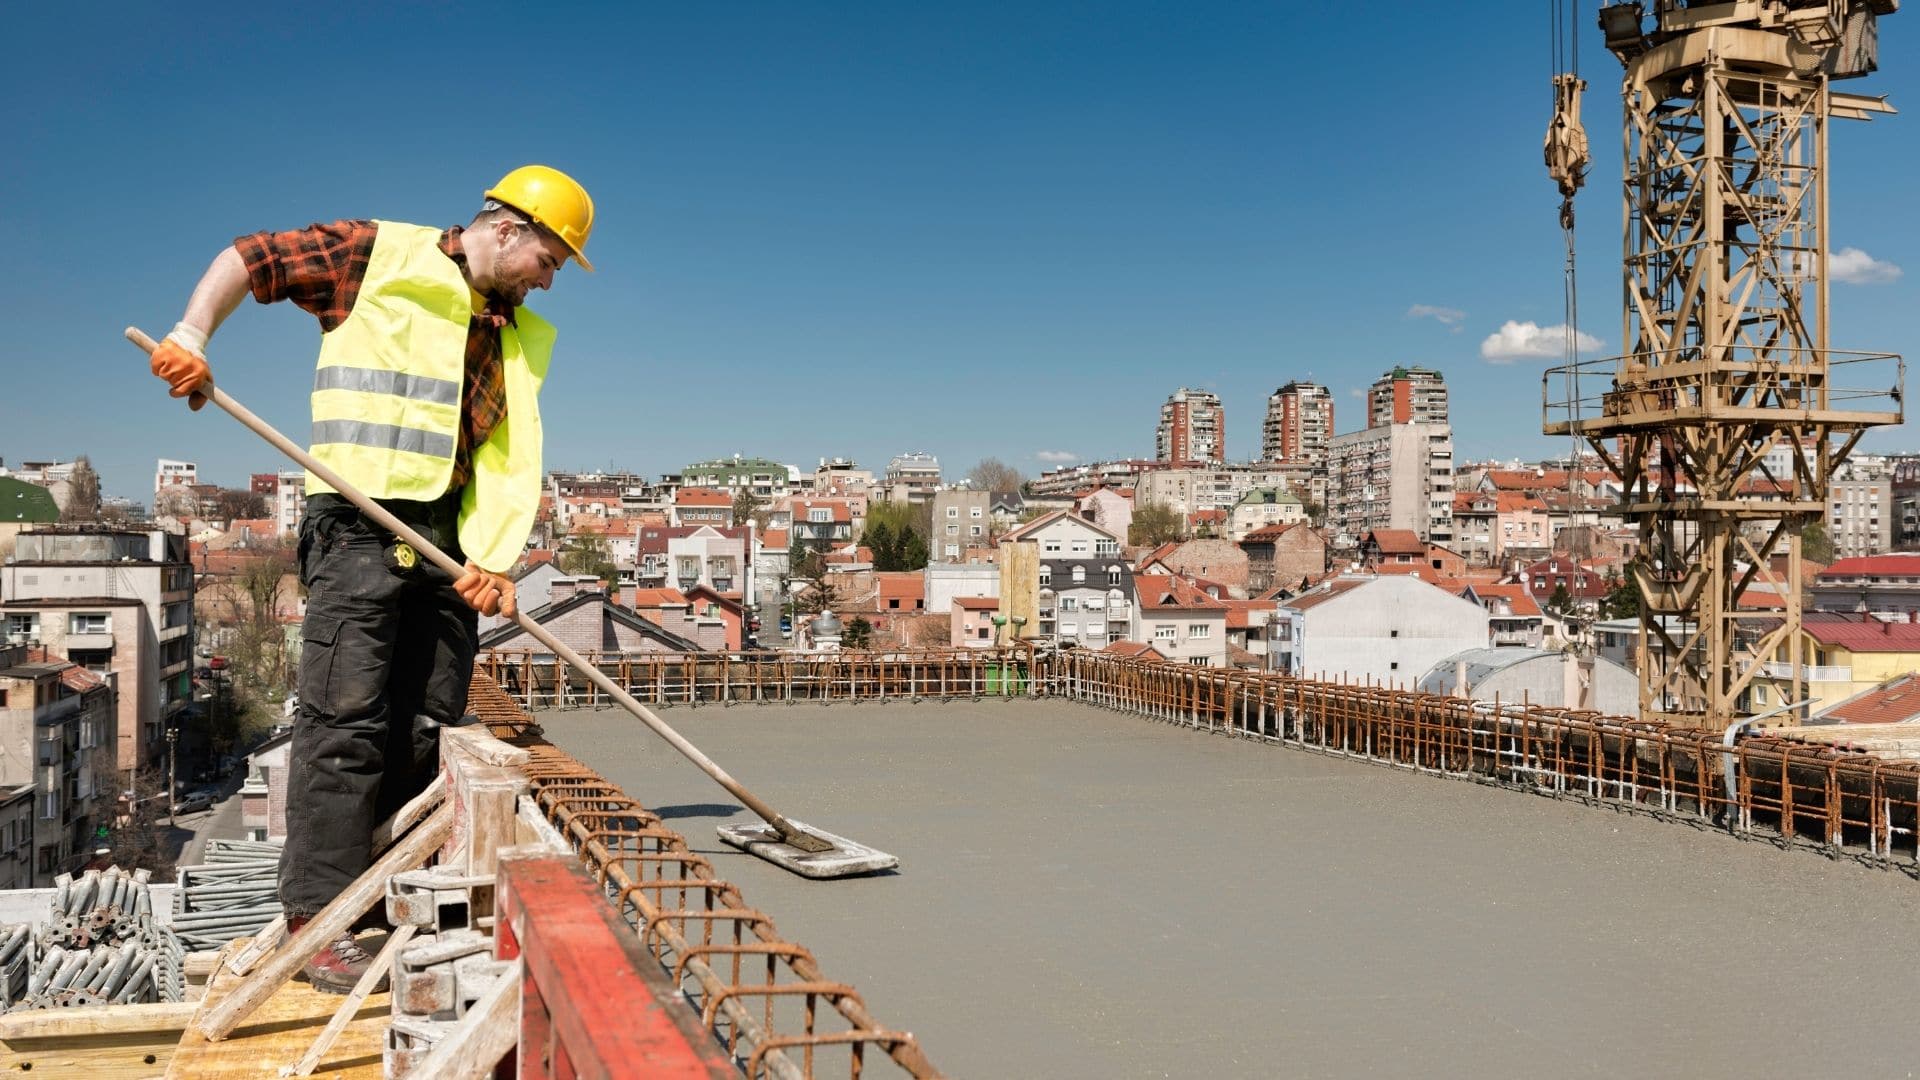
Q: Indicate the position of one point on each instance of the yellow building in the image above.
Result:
(1843, 655)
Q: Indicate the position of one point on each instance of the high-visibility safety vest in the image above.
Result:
(386, 396)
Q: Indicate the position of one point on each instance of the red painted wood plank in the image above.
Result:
(602, 1007)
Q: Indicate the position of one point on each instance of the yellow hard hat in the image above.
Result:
(553, 199)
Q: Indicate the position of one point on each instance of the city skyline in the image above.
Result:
(870, 230)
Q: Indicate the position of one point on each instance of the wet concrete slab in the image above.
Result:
(1087, 894)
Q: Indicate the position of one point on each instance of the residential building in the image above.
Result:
(1299, 424)
(1583, 582)
(1023, 552)
(1088, 602)
(1884, 584)
(1192, 429)
(1186, 490)
(1398, 476)
(173, 484)
(971, 622)
(588, 622)
(56, 727)
(714, 622)
(912, 477)
(1381, 630)
(1220, 561)
(1068, 479)
(117, 602)
(767, 479)
(1185, 624)
(285, 496)
(962, 518)
(1109, 508)
(1862, 518)
(948, 582)
(1399, 551)
(818, 523)
(1840, 656)
(1492, 527)
(1250, 626)
(702, 506)
(263, 795)
(1262, 507)
(1407, 395)
(1008, 507)
(1514, 617)
(1284, 556)
(685, 556)
(841, 476)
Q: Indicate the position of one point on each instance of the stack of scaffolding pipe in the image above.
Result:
(233, 894)
(99, 945)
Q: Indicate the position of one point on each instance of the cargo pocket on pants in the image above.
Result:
(318, 635)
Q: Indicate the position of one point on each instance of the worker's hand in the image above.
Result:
(484, 592)
(183, 365)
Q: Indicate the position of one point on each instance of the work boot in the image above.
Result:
(337, 968)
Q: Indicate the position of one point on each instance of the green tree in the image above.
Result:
(1154, 524)
(587, 553)
(913, 552)
(884, 543)
(858, 634)
(749, 506)
(1561, 599)
(1622, 600)
(1815, 543)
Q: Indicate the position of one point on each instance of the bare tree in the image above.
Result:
(83, 492)
(1155, 523)
(992, 474)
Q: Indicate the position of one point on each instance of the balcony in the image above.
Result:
(1813, 673)
(103, 640)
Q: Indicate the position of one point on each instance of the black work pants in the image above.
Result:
(386, 660)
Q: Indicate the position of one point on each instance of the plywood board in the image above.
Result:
(282, 1029)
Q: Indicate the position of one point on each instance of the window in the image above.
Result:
(1068, 629)
(976, 513)
(1106, 547)
(1393, 633)
(953, 511)
(1197, 661)
(820, 516)
(1165, 633)
(1113, 575)
(1046, 575)
(985, 633)
(973, 530)
(1199, 630)
(1079, 575)
(1395, 666)
(953, 551)
(1051, 545)
(23, 627)
(1069, 603)
(87, 623)
(953, 530)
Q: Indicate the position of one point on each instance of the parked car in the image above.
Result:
(194, 801)
(786, 624)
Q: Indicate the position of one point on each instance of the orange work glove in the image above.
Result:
(184, 369)
(484, 592)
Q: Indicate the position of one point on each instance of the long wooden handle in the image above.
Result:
(387, 521)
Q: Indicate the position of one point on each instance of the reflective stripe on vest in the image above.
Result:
(383, 437)
(386, 395)
(377, 381)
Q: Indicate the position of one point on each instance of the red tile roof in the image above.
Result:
(1268, 533)
(1872, 636)
(1903, 564)
(977, 603)
(1516, 597)
(1324, 592)
(658, 598)
(774, 540)
(694, 496)
(1134, 650)
(1166, 592)
(1240, 612)
(1895, 701)
(905, 584)
(1397, 542)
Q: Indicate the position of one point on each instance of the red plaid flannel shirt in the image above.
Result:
(320, 268)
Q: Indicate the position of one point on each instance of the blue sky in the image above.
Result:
(980, 229)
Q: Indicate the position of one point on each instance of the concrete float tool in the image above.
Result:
(788, 844)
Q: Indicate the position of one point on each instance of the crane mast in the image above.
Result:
(1728, 412)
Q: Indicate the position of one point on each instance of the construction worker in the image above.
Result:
(425, 399)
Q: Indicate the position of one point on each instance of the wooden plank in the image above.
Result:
(381, 966)
(532, 827)
(476, 742)
(98, 1020)
(280, 1030)
(127, 1055)
(221, 1018)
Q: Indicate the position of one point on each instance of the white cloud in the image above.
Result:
(1448, 316)
(1856, 267)
(1517, 339)
(1057, 457)
(1358, 393)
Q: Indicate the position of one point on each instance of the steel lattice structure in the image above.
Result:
(1729, 414)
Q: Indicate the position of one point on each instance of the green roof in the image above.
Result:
(21, 501)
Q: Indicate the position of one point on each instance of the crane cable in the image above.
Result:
(1567, 157)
